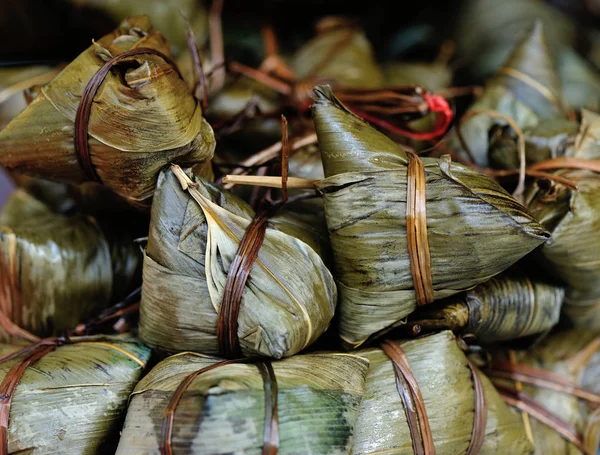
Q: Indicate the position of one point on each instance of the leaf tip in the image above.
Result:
(182, 177)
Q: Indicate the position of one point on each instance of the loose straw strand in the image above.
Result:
(271, 152)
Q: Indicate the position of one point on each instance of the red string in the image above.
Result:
(435, 103)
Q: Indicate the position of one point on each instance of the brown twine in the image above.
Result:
(271, 427)
(416, 230)
(237, 276)
(412, 400)
(479, 413)
(84, 110)
(241, 265)
(540, 378)
(13, 377)
(530, 407)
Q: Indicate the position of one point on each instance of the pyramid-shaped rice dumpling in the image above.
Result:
(463, 411)
(474, 229)
(287, 302)
(485, 31)
(527, 88)
(341, 54)
(142, 118)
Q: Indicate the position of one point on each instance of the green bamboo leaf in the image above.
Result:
(486, 31)
(433, 76)
(14, 81)
(223, 409)
(191, 245)
(348, 143)
(580, 80)
(547, 140)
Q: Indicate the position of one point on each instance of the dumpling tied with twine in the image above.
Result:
(526, 88)
(117, 114)
(197, 241)
(457, 409)
(406, 231)
(307, 404)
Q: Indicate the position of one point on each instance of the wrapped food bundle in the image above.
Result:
(457, 409)
(506, 307)
(570, 214)
(286, 303)
(473, 228)
(57, 269)
(341, 54)
(526, 88)
(140, 117)
(544, 141)
(555, 387)
(304, 404)
(486, 31)
(68, 398)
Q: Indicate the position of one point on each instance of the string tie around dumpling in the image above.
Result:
(84, 110)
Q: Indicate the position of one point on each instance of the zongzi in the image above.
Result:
(71, 399)
(341, 54)
(458, 409)
(304, 404)
(548, 385)
(544, 141)
(57, 269)
(487, 30)
(286, 304)
(572, 216)
(506, 307)
(527, 88)
(473, 228)
(124, 91)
